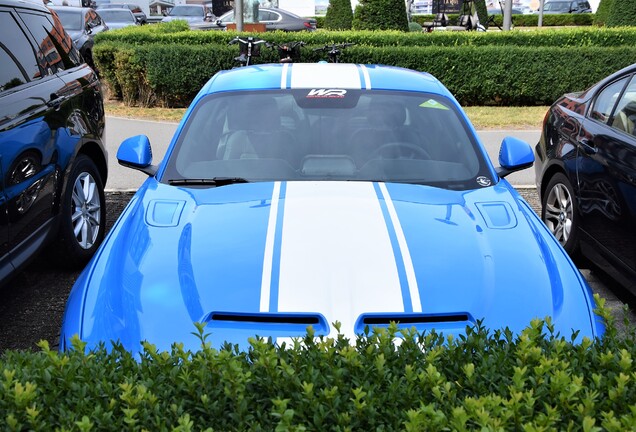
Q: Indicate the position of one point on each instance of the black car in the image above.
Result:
(81, 24)
(139, 14)
(273, 18)
(586, 174)
(52, 157)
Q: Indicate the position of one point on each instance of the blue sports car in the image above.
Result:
(314, 194)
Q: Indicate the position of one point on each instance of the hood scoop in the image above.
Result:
(269, 322)
(454, 323)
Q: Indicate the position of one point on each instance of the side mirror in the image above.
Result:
(135, 152)
(514, 155)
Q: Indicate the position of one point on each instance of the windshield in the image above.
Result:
(71, 20)
(328, 134)
(192, 11)
(112, 15)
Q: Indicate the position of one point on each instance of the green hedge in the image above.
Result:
(579, 37)
(528, 20)
(171, 75)
(484, 380)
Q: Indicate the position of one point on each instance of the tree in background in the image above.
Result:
(482, 11)
(602, 13)
(380, 15)
(339, 15)
(622, 13)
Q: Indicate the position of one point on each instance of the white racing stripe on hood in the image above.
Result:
(324, 75)
(266, 280)
(404, 250)
(336, 256)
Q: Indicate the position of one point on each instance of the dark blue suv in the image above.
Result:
(52, 158)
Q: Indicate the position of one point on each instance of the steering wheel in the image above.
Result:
(399, 150)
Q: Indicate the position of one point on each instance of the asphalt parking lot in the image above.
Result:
(32, 304)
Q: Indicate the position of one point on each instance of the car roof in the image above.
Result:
(269, 9)
(35, 5)
(68, 8)
(324, 76)
(113, 9)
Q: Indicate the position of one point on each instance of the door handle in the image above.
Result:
(55, 101)
(588, 148)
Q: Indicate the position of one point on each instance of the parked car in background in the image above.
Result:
(135, 9)
(274, 19)
(82, 24)
(310, 194)
(586, 174)
(194, 14)
(53, 162)
(118, 18)
(566, 6)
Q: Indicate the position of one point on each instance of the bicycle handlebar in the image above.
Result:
(333, 47)
(246, 41)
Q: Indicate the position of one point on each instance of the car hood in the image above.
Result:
(75, 34)
(269, 259)
(189, 19)
(113, 25)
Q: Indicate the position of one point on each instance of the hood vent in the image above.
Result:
(453, 323)
(412, 319)
(271, 321)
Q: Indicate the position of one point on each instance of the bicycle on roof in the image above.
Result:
(288, 52)
(249, 47)
(334, 51)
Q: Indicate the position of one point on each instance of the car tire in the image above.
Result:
(83, 215)
(560, 214)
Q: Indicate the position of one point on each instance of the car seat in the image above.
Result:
(255, 131)
(386, 123)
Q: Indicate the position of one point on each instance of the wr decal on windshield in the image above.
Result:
(326, 93)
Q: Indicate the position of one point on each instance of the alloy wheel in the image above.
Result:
(86, 210)
(559, 213)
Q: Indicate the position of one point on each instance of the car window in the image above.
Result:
(557, 7)
(227, 18)
(267, 16)
(625, 114)
(115, 15)
(16, 44)
(71, 19)
(605, 101)
(325, 134)
(192, 11)
(54, 43)
(10, 73)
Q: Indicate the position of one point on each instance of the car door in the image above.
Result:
(271, 19)
(33, 114)
(606, 169)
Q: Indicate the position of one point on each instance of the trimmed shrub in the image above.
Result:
(622, 13)
(501, 68)
(527, 20)
(483, 380)
(576, 37)
(414, 27)
(339, 15)
(476, 75)
(602, 12)
(381, 15)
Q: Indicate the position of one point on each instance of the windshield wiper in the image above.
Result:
(215, 181)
